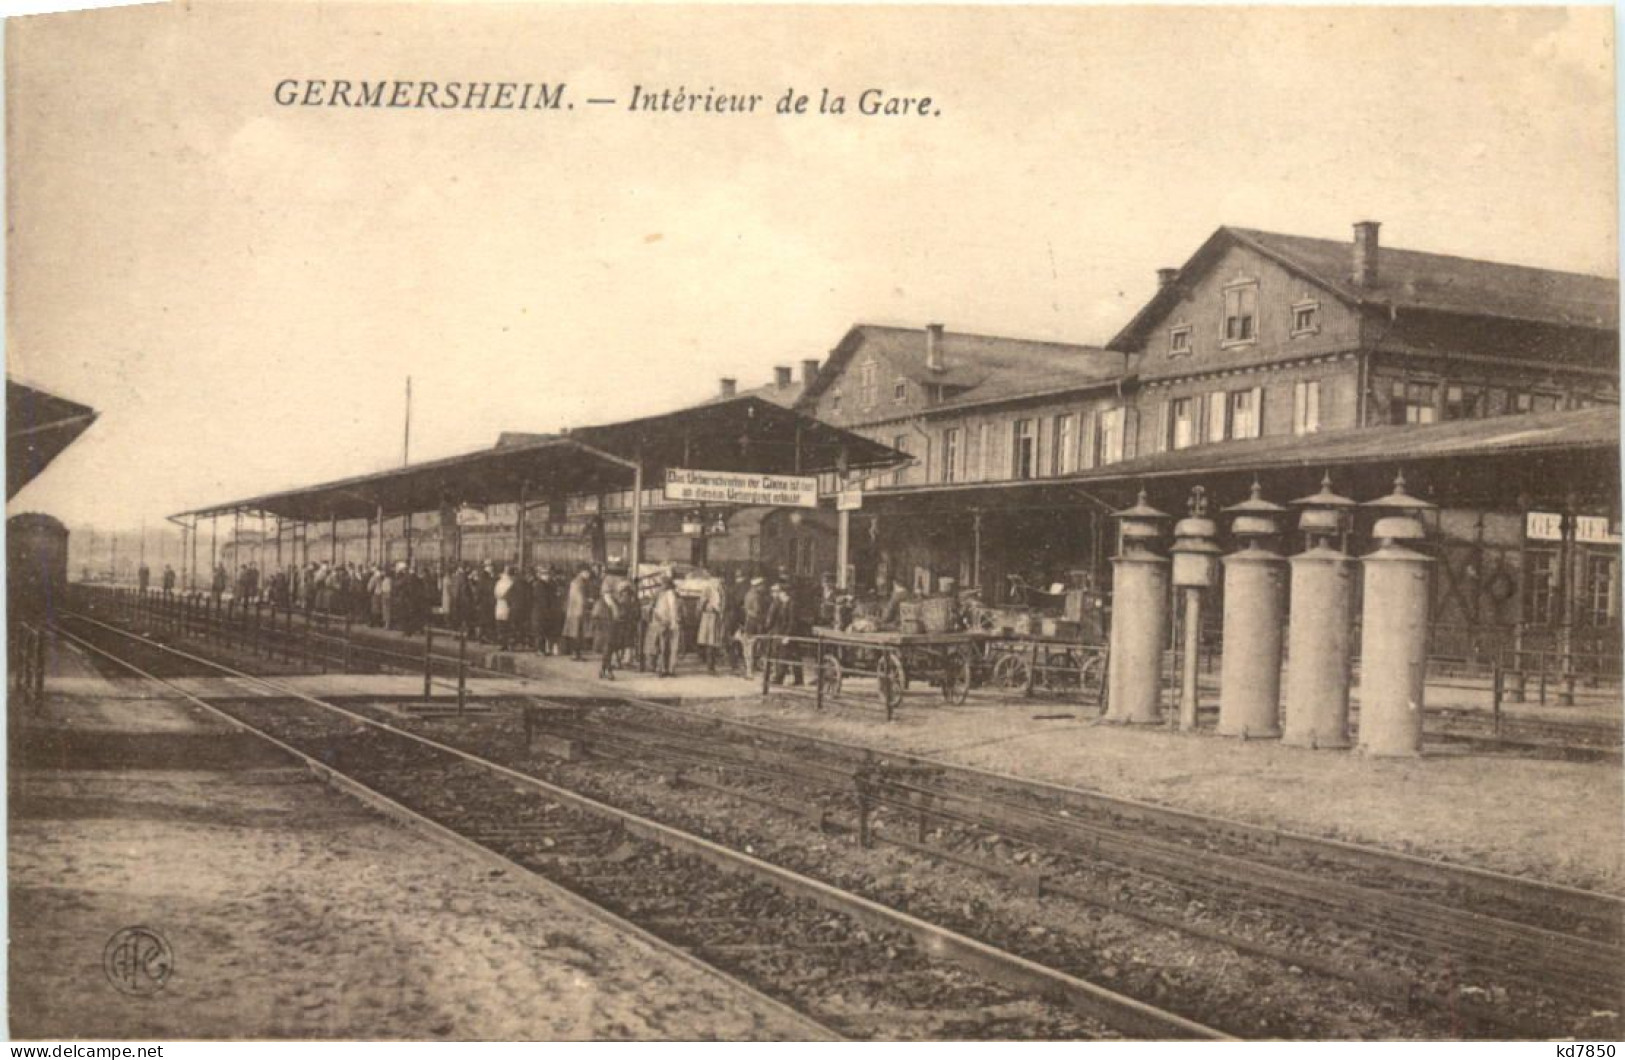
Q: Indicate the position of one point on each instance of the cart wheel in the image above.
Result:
(955, 678)
(889, 671)
(829, 674)
(1011, 673)
(1089, 673)
(1061, 672)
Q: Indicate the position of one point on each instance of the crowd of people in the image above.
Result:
(594, 613)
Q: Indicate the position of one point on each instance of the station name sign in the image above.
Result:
(1588, 529)
(741, 487)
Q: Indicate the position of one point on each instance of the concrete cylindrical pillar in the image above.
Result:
(1318, 643)
(1139, 630)
(1254, 614)
(1393, 650)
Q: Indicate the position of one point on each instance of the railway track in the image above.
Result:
(1489, 928)
(854, 967)
(1396, 944)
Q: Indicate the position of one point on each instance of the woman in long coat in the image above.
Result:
(712, 635)
(576, 615)
(544, 612)
(606, 613)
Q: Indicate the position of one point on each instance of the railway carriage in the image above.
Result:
(36, 565)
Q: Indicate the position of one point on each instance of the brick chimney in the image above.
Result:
(933, 348)
(781, 377)
(729, 386)
(1166, 277)
(1365, 252)
(809, 371)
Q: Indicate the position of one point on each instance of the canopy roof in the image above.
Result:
(1544, 454)
(39, 425)
(746, 433)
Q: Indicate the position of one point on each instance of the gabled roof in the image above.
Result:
(984, 362)
(1407, 280)
(39, 425)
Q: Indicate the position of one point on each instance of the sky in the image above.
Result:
(241, 288)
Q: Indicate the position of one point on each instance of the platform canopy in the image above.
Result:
(1543, 456)
(39, 425)
(743, 434)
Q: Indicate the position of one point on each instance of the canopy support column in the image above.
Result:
(519, 523)
(333, 538)
(843, 526)
(976, 548)
(214, 545)
(635, 544)
(236, 541)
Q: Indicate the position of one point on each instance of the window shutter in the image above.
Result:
(1086, 451)
(1131, 433)
(1040, 468)
(1199, 414)
(1258, 412)
(1160, 442)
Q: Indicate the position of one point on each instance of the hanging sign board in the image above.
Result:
(472, 517)
(741, 487)
(849, 500)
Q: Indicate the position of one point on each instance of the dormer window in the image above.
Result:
(1240, 314)
(1305, 319)
(1179, 340)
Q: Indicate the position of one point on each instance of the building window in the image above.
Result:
(1218, 416)
(1413, 403)
(903, 444)
(1179, 340)
(1305, 318)
(899, 391)
(1109, 437)
(1181, 423)
(1523, 401)
(1240, 314)
(1246, 413)
(950, 454)
(1064, 460)
(866, 384)
(1539, 590)
(1601, 602)
(835, 403)
(1023, 449)
(1306, 406)
(1462, 403)
(976, 456)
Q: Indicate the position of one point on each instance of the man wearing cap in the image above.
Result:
(663, 628)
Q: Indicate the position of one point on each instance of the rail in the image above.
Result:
(1117, 1010)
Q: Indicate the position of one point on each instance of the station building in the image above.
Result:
(1493, 387)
